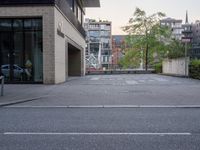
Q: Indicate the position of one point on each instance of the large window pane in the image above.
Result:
(37, 24)
(5, 24)
(28, 24)
(33, 56)
(18, 56)
(18, 24)
(21, 56)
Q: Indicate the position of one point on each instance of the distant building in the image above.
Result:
(99, 43)
(196, 33)
(194, 52)
(187, 29)
(191, 32)
(118, 46)
(175, 25)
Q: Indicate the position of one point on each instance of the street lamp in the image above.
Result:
(186, 40)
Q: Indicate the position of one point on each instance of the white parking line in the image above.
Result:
(90, 134)
(107, 106)
(131, 82)
(95, 79)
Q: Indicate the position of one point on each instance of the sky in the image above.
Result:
(119, 11)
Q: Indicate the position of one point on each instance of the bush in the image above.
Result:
(158, 68)
(194, 69)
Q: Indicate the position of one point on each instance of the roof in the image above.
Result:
(86, 3)
(171, 20)
(91, 3)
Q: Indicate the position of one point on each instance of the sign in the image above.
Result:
(186, 40)
(59, 30)
(60, 33)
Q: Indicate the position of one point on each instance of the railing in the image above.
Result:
(2, 85)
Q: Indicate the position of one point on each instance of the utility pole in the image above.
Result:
(186, 63)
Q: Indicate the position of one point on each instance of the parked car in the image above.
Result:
(18, 71)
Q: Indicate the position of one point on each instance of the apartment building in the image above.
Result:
(196, 33)
(42, 41)
(195, 50)
(99, 43)
(175, 25)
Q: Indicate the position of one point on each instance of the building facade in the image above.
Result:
(118, 47)
(42, 40)
(194, 52)
(175, 25)
(99, 43)
(196, 33)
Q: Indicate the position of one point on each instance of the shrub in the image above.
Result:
(158, 68)
(194, 69)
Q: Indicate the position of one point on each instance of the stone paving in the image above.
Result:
(149, 89)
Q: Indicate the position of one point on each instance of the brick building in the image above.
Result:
(118, 46)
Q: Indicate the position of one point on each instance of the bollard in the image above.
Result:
(2, 85)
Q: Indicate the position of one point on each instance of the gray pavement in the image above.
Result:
(99, 129)
(92, 113)
(109, 90)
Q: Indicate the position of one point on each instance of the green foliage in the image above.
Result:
(175, 49)
(158, 67)
(131, 59)
(194, 69)
(146, 35)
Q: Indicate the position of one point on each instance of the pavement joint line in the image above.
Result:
(21, 101)
(90, 134)
(108, 106)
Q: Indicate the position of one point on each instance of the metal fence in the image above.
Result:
(2, 85)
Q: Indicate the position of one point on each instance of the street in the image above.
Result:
(121, 112)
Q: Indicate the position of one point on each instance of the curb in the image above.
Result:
(110, 106)
(174, 75)
(21, 101)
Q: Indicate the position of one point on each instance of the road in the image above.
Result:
(152, 112)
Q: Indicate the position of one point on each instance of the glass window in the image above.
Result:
(37, 24)
(26, 46)
(71, 4)
(33, 24)
(5, 67)
(5, 24)
(79, 15)
(18, 24)
(33, 55)
(28, 24)
(75, 9)
(94, 33)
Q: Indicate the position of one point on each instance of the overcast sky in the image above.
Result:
(119, 11)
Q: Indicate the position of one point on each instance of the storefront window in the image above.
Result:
(21, 50)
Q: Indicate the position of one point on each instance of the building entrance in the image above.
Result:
(74, 61)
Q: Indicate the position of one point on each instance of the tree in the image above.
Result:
(145, 32)
(176, 49)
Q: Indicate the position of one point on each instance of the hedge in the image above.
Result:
(158, 68)
(194, 69)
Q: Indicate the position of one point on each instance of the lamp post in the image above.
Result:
(186, 40)
(186, 60)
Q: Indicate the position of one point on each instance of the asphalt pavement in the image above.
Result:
(148, 89)
(99, 128)
(114, 112)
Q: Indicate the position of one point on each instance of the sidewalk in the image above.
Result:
(19, 93)
(112, 90)
(14, 93)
